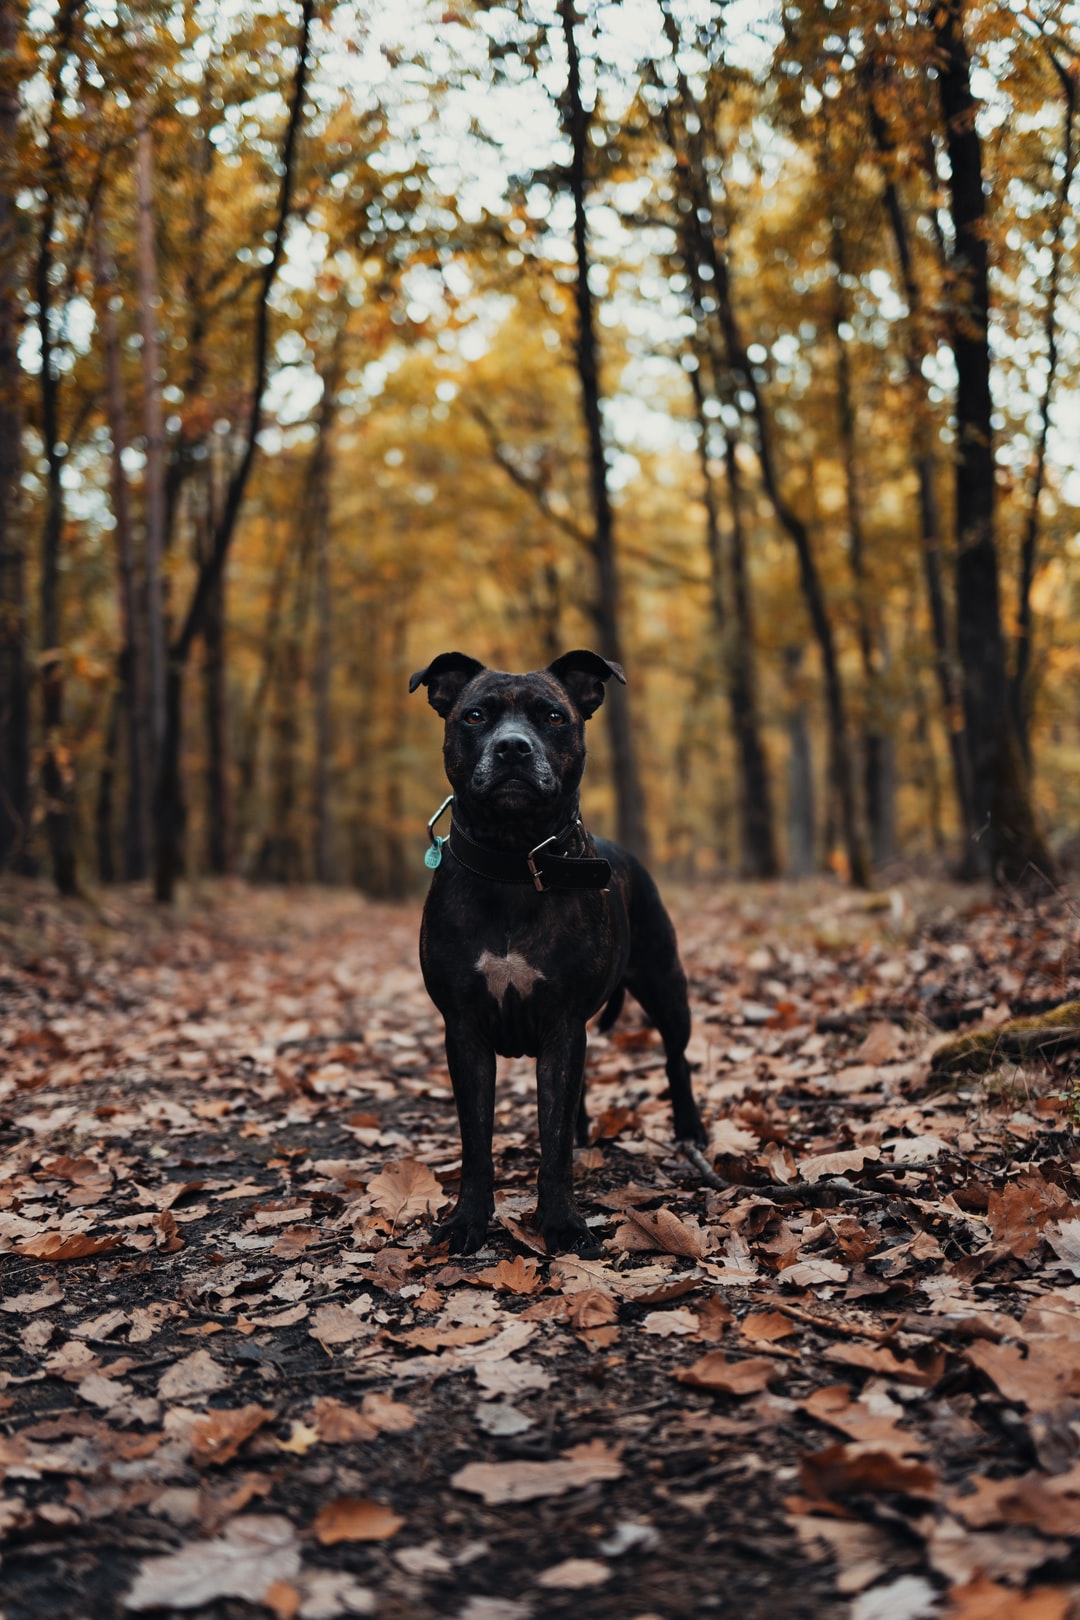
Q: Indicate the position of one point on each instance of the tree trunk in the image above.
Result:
(709, 242)
(152, 727)
(14, 685)
(917, 345)
(323, 659)
(735, 629)
(132, 661)
(103, 810)
(1020, 683)
(801, 861)
(168, 819)
(876, 744)
(56, 768)
(632, 831)
(1010, 846)
(216, 714)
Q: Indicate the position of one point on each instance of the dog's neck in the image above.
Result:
(520, 832)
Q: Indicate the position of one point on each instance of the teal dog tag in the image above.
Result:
(433, 854)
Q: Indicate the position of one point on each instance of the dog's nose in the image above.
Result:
(513, 744)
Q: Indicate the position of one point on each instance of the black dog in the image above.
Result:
(531, 927)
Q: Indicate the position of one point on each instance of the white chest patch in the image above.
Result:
(505, 972)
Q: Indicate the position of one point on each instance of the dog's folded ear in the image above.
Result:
(583, 674)
(446, 678)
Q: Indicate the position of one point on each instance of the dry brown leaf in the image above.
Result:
(715, 1371)
(499, 1483)
(575, 1574)
(197, 1374)
(66, 1245)
(925, 1371)
(836, 1164)
(984, 1599)
(388, 1416)
(766, 1326)
(1050, 1503)
(872, 1422)
(665, 1231)
(406, 1191)
(341, 1425)
(1044, 1377)
(336, 1324)
(256, 1551)
(591, 1308)
(217, 1437)
(864, 1470)
(516, 1276)
(352, 1518)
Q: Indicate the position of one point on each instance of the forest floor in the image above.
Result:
(235, 1380)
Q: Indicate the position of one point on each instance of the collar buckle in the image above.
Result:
(530, 861)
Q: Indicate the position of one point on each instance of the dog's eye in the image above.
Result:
(473, 717)
(556, 717)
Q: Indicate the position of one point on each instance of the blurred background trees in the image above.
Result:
(738, 342)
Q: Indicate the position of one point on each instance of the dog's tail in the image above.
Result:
(612, 1010)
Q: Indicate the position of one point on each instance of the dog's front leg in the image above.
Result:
(560, 1077)
(471, 1061)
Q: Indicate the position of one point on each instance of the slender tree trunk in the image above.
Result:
(1020, 683)
(14, 684)
(103, 810)
(152, 692)
(801, 859)
(632, 831)
(132, 662)
(876, 744)
(916, 347)
(56, 769)
(168, 822)
(323, 659)
(709, 229)
(735, 629)
(1011, 847)
(215, 710)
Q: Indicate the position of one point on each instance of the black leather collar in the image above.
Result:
(540, 866)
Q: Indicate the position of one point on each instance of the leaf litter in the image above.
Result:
(234, 1376)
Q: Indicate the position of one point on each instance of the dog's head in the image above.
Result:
(514, 746)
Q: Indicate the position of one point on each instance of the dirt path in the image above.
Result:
(234, 1380)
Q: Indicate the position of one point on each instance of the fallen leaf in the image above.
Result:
(766, 1326)
(516, 1276)
(820, 1165)
(340, 1425)
(843, 1470)
(405, 1191)
(255, 1551)
(715, 1371)
(197, 1374)
(217, 1437)
(499, 1483)
(983, 1599)
(351, 1518)
(574, 1574)
(66, 1245)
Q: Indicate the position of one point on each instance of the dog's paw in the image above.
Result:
(688, 1128)
(570, 1236)
(465, 1230)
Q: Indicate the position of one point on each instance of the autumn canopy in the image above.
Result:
(737, 342)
